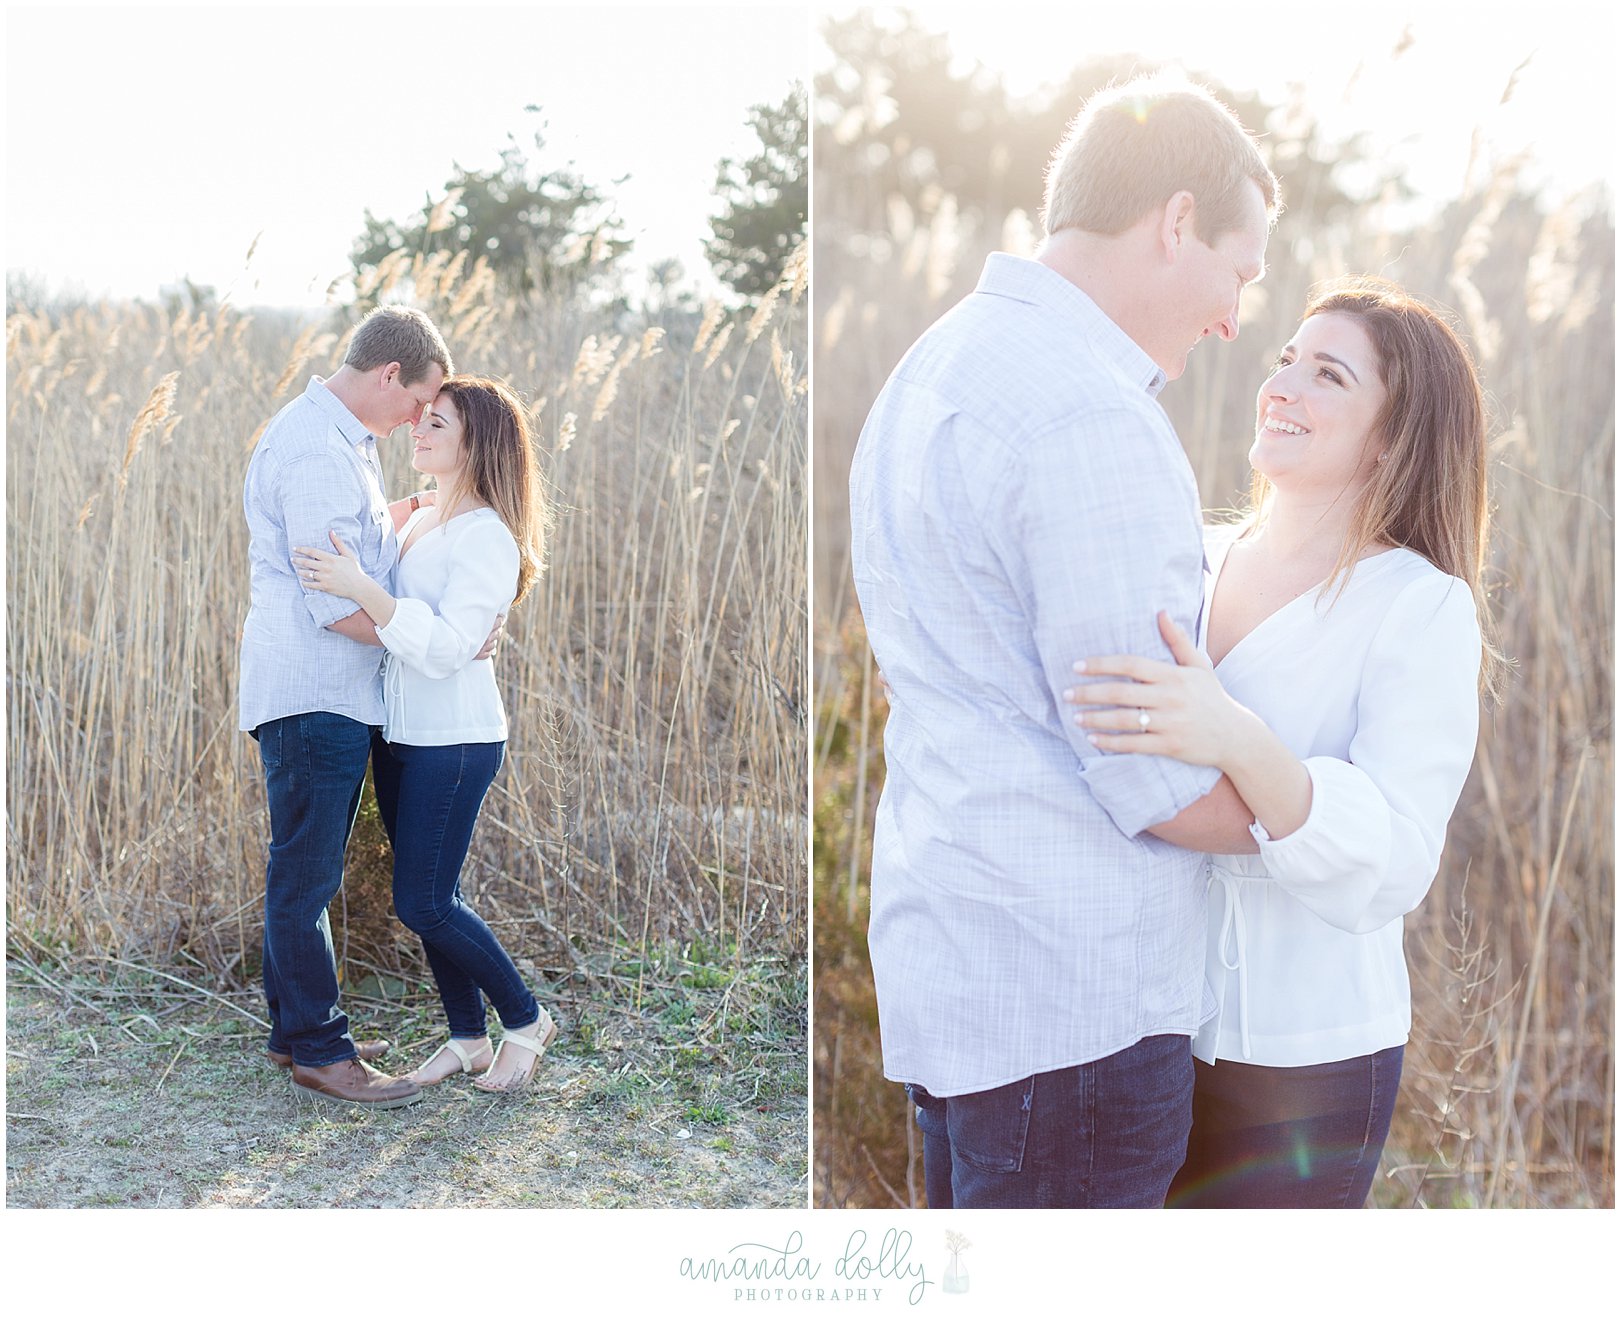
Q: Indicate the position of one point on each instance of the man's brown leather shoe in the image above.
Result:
(353, 1082)
(369, 1050)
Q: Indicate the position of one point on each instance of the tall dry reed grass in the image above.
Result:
(655, 681)
(1508, 1094)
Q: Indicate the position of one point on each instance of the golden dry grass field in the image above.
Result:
(1508, 1095)
(647, 835)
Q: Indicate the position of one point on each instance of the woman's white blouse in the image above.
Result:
(449, 586)
(1376, 691)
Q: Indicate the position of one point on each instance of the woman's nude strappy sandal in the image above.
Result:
(545, 1033)
(460, 1050)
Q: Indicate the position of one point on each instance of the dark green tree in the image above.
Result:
(543, 231)
(765, 199)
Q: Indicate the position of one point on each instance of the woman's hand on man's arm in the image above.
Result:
(1181, 710)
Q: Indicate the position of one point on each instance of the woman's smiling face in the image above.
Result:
(437, 441)
(1315, 414)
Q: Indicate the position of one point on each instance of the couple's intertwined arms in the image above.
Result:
(482, 578)
(1141, 706)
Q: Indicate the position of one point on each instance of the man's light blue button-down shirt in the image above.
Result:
(314, 471)
(1019, 500)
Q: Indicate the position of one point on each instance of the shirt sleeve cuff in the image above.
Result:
(1347, 828)
(406, 634)
(326, 609)
(1139, 792)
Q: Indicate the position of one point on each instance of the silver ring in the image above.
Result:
(1142, 720)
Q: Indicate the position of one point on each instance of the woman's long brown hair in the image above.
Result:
(1428, 492)
(501, 469)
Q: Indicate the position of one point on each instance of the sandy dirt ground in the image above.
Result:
(112, 1102)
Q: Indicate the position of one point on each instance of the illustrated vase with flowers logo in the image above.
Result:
(956, 1279)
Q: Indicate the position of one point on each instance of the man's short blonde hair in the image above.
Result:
(1132, 147)
(399, 334)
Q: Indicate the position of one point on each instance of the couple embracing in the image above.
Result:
(368, 638)
(1136, 920)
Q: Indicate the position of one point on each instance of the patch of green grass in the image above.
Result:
(707, 977)
(586, 1037)
(708, 965)
(712, 1114)
(614, 1089)
(702, 951)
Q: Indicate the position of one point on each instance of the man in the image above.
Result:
(311, 688)
(1019, 500)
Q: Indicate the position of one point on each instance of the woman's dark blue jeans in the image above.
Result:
(1107, 1134)
(1287, 1137)
(429, 798)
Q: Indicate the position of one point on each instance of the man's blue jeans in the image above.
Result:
(1108, 1134)
(315, 766)
(429, 799)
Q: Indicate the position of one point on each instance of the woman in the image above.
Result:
(467, 557)
(1342, 617)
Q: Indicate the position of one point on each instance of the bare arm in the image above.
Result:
(1218, 822)
(400, 510)
(357, 627)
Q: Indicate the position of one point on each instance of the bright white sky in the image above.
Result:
(1419, 110)
(143, 144)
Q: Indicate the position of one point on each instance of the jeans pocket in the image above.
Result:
(988, 1129)
(268, 736)
(931, 1112)
(333, 744)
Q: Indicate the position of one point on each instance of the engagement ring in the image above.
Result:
(1142, 720)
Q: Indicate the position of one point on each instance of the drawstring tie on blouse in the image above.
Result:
(394, 692)
(1232, 924)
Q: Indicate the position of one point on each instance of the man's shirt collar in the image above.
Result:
(352, 428)
(1030, 281)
